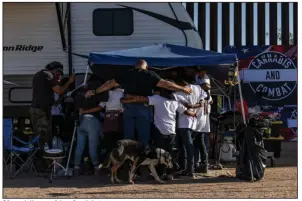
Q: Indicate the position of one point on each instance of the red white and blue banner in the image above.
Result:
(269, 75)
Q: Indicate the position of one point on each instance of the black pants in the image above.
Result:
(165, 142)
(200, 151)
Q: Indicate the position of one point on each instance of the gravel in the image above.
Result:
(279, 182)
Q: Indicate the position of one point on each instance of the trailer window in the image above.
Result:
(112, 22)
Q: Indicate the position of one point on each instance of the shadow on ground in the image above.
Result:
(288, 158)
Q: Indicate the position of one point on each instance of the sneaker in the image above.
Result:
(191, 175)
(178, 173)
(188, 174)
(76, 171)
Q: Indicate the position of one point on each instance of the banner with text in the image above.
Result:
(269, 75)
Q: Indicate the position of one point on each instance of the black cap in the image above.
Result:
(54, 65)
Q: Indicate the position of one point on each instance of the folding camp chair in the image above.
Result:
(13, 156)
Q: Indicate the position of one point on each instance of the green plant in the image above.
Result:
(279, 36)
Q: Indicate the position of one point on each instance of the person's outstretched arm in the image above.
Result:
(173, 87)
(91, 110)
(107, 86)
(61, 89)
(104, 87)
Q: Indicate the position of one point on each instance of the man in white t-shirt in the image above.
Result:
(186, 126)
(165, 109)
(203, 128)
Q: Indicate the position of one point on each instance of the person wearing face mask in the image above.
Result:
(44, 84)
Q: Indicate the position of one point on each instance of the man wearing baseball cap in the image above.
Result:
(44, 85)
(201, 142)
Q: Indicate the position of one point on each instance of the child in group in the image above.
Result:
(165, 109)
(186, 127)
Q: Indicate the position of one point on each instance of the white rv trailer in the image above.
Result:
(35, 34)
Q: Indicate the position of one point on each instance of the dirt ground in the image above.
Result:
(279, 182)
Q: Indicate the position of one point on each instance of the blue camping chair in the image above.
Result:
(14, 152)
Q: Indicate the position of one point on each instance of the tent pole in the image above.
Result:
(217, 84)
(230, 104)
(86, 73)
(225, 95)
(240, 93)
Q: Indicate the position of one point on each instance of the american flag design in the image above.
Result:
(269, 77)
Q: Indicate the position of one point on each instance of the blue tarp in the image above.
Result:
(163, 56)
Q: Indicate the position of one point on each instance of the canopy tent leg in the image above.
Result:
(230, 104)
(86, 74)
(240, 93)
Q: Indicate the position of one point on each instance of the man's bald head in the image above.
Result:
(141, 64)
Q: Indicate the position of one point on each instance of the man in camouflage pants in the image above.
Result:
(44, 85)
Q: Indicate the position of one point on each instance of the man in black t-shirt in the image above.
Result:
(44, 85)
(138, 82)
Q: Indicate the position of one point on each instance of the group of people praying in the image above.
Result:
(140, 105)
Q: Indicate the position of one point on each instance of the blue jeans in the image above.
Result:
(89, 127)
(186, 149)
(137, 117)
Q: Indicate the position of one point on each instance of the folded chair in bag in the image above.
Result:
(14, 152)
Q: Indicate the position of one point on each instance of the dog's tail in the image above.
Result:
(106, 166)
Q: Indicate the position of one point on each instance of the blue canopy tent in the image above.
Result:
(164, 56)
(167, 56)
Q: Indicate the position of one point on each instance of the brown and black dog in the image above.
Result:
(133, 150)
